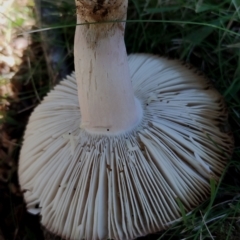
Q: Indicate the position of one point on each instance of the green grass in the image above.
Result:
(205, 34)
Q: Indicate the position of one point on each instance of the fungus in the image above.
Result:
(111, 151)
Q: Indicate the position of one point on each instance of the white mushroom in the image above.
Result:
(151, 133)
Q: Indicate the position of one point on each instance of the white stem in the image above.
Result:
(107, 102)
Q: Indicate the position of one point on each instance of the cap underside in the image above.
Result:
(121, 187)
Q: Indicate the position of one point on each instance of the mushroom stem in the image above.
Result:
(106, 98)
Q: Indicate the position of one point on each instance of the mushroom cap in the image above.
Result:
(121, 187)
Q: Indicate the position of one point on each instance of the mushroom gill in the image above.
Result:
(99, 186)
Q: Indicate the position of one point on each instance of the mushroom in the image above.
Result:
(111, 151)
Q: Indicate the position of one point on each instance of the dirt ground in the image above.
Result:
(16, 53)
